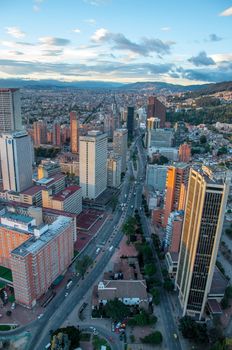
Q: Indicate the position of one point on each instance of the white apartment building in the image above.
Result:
(113, 170)
(93, 164)
(16, 160)
(10, 110)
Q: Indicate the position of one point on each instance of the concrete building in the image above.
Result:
(130, 121)
(156, 176)
(38, 261)
(202, 227)
(16, 160)
(74, 133)
(10, 110)
(56, 183)
(156, 109)
(176, 188)
(184, 153)
(70, 167)
(39, 133)
(173, 231)
(160, 138)
(120, 146)
(113, 170)
(93, 164)
(56, 134)
(169, 152)
(68, 200)
(48, 169)
(153, 123)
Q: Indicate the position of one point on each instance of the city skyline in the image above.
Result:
(85, 40)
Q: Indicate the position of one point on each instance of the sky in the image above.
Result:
(174, 41)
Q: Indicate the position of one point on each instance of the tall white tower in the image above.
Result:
(10, 110)
(93, 164)
(16, 160)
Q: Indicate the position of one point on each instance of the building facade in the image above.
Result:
(113, 171)
(130, 121)
(202, 227)
(16, 160)
(156, 109)
(10, 110)
(74, 133)
(120, 146)
(184, 153)
(39, 133)
(156, 176)
(93, 164)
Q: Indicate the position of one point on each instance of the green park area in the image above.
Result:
(6, 273)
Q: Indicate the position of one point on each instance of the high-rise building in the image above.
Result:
(48, 169)
(184, 153)
(74, 133)
(160, 138)
(39, 133)
(10, 110)
(56, 134)
(153, 123)
(120, 146)
(202, 227)
(16, 159)
(93, 164)
(113, 170)
(130, 121)
(173, 231)
(156, 176)
(156, 109)
(176, 187)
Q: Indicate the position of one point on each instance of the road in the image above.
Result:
(111, 235)
(165, 303)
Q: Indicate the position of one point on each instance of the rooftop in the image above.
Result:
(32, 245)
(49, 181)
(17, 217)
(31, 190)
(66, 193)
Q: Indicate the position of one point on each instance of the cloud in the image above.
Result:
(16, 53)
(52, 52)
(227, 12)
(76, 30)
(24, 43)
(15, 32)
(96, 2)
(214, 37)
(52, 41)
(90, 21)
(165, 29)
(120, 42)
(36, 6)
(201, 59)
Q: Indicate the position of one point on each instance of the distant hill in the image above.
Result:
(151, 87)
(56, 84)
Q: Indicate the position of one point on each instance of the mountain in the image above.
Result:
(56, 84)
(149, 87)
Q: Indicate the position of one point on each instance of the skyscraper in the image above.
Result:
(39, 133)
(16, 158)
(120, 146)
(130, 121)
(176, 187)
(113, 170)
(10, 110)
(184, 153)
(93, 164)
(203, 221)
(156, 109)
(74, 133)
(56, 134)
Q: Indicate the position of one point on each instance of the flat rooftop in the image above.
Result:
(66, 193)
(32, 190)
(17, 217)
(33, 244)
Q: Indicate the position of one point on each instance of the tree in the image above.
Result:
(142, 319)
(149, 269)
(74, 335)
(168, 285)
(203, 139)
(116, 310)
(154, 338)
(129, 226)
(228, 292)
(192, 330)
(8, 313)
(156, 296)
(83, 264)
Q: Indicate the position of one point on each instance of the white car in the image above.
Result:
(66, 294)
(40, 316)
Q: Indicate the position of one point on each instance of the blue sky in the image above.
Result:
(117, 40)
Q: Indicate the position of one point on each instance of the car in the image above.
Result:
(98, 250)
(113, 327)
(13, 306)
(66, 294)
(111, 248)
(175, 335)
(40, 316)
